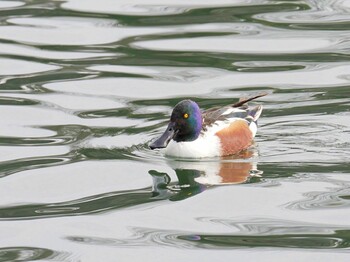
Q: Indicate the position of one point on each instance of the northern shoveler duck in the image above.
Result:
(214, 132)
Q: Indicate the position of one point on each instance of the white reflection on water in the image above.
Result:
(321, 12)
(226, 44)
(23, 50)
(20, 152)
(69, 31)
(14, 116)
(20, 67)
(331, 74)
(9, 4)
(140, 7)
(73, 181)
(67, 101)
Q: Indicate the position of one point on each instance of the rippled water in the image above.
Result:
(86, 85)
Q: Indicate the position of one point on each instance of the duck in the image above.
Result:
(216, 132)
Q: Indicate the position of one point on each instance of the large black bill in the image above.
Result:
(164, 140)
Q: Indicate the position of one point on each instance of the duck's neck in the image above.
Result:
(190, 134)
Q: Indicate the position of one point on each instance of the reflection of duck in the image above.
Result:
(193, 178)
(197, 176)
(214, 132)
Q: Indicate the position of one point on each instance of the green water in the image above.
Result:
(86, 85)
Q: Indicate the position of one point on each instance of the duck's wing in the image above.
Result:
(237, 110)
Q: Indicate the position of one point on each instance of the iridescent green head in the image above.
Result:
(185, 125)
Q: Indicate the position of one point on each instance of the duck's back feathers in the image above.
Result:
(237, 125)
(237, 110)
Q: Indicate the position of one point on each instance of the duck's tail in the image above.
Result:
(255, 112)
(244, 100)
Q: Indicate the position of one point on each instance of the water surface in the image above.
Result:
(86, 85)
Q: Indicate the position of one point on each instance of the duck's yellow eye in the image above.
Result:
(185, 115)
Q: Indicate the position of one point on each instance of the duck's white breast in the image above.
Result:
(206, 145)
(203, 146)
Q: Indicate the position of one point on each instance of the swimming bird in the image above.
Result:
(219, 131)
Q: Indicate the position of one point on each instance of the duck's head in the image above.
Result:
(185, 125)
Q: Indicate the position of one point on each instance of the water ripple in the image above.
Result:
(88, 205)
(32, 253)
(262, 233)
(85, 85)
(18, 165)
(321, 15)
(333, 197)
